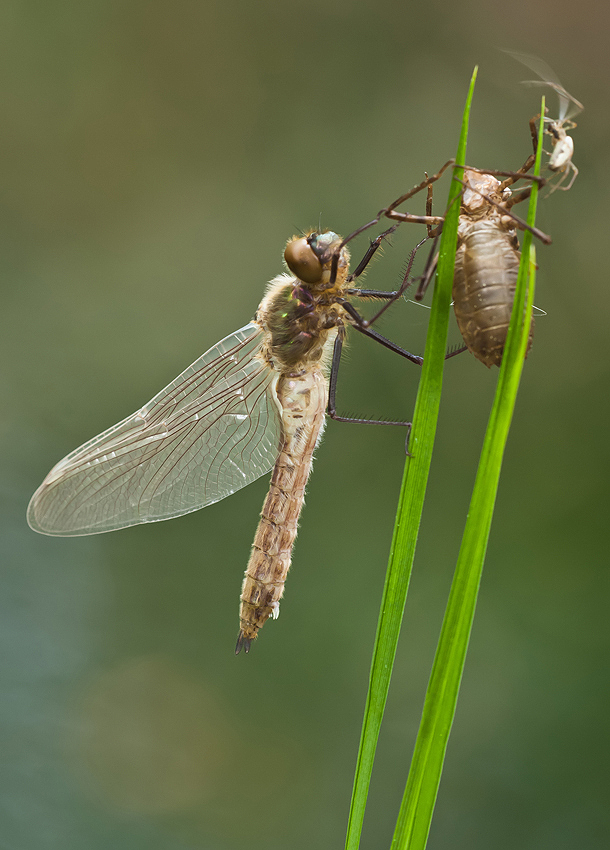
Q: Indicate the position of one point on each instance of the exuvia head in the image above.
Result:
(478, 186)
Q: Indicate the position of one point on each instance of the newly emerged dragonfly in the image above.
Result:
(255, 401)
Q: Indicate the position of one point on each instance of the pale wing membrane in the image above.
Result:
(213, 430)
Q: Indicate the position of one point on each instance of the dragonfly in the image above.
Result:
(254, 402)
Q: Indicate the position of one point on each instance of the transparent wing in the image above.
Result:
(210, 432)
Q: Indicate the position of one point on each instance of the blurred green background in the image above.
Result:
(156, 157)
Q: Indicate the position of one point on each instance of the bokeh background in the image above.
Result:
(155, 158)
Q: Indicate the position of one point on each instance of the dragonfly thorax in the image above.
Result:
(298, 324)
(301, 312)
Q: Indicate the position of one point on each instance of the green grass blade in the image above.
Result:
(417, 807)
(410, 504)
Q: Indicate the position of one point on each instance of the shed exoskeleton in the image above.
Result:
(486, 267)
(488, 255)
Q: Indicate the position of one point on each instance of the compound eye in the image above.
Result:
(302, 261)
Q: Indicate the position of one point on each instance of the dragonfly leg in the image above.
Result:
(332, 393)
(504, 206)
(420, 186)
(429, 203)
(390, 212)
(361, 325)
(429, 270)
(534, 129)
(374, 245)
(389, 297)
(407, 452)
(334, 373)
(520, 174)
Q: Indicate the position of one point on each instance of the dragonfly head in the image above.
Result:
(309, 257)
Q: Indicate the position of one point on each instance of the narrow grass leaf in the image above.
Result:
(411, 501)
(417, 807)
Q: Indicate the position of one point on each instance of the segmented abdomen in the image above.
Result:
(486, 269)
(303, 400)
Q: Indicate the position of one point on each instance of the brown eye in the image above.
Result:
(302, 261)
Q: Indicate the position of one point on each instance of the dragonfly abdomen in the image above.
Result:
(303, 399)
